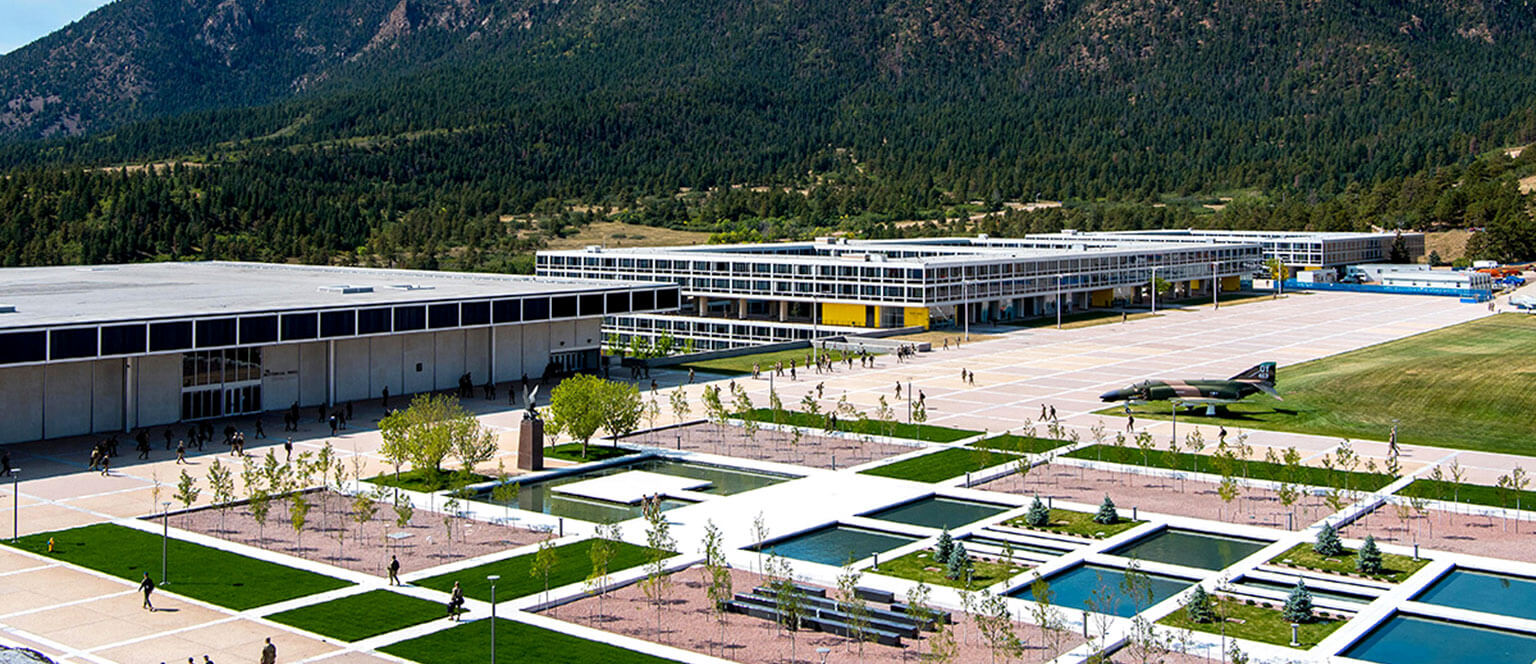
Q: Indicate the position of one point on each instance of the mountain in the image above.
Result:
(327, 126)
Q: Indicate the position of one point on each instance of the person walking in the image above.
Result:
(143, 448)
(1130, 421)
(269, 653)
(1221, 435)
(181, 451)
(147, 586)
(456, 602)
(334, 423)
(288, 449)
(384, 401)
(690, 374)
(260, 432)
(168, 435)
(106, 465)
(394, 571)
(5, 463)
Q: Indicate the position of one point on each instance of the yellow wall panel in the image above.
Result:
(1102, 298)
(1231, 283)
(915, 317)
(847, 315)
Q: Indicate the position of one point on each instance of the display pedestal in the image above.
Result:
(530, 445)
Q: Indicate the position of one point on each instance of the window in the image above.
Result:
(644, 300)
(123, 339)
(536, 308)
(255, 330)
(563, 307)
(297, 326)
(215, 332)
(441, 316)
(410, 318)
(618, 303)
(66, 344)
(170, 336)
(338, 323)
(374, 321)
(592, 305)
(475, 313)
(666, 299)
(507, 311)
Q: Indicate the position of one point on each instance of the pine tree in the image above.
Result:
(1328, 542)
(958, 563)
(1368, 560)
(1199, 608)
(1298, 606)
(1107, 514)
(942, 548)
(1038, 516)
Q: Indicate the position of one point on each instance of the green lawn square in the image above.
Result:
(573, 563)
(940, 466)
(357, 617)
(469, 643)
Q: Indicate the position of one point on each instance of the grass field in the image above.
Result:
(1012, 443)
(1081, 524)
(1394, 568)
(1255, 623)
(1261, 470)
(428, 481)
(516, 643)
(741, 365)
(918, 566)
(943, 465)
(928, 432)
(203, 573)
(358, 617)
(595, 452)
(1081, 319)
(1466, 386)
(573, 563)
(1476, 494)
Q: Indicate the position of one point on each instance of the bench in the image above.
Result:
(819, 621)
(874, 595)
(827, 609)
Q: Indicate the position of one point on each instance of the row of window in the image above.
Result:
(169, 336)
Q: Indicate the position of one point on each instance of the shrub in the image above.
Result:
(942, 548)
(958, 563)
(1038, 516)
(1328, 542)
(1368, 560)
(1199, 607)
(1298, 606)
(1107, 514)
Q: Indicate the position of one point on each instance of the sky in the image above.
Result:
(24, 21)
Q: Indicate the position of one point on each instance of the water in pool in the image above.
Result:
(1501, 594)
(937, 512)
(1075, 589)
(1191, 549)
(1413, 640)
(836, 545)
(536, 496)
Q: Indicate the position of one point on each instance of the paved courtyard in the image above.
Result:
(77, 615)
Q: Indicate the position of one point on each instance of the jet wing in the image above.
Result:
(1270, 390)
(1203, 401)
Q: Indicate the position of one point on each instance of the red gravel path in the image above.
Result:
(812, 451)
(1161, 495)
(687, 622)
(1449, 531)
(364, 549)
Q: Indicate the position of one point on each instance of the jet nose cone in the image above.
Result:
(1112, 395)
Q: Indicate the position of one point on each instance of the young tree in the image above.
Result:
(604, 546)
(577, 409)
(1107, 515)
(472, 442)
(1021, 467)
(853, 605)
(1144, 442)
(886, 415)
(943, 546)
(1298, 605)
(715, 410)
(298, 515)
(789, 596)
(186, 491)
(260, 505)
(957, 565)
(1039, 516)
(450, 516)
(420, 433)
(1368, 558)
(918, 606)
(996, 625)
(621, 410)
(222, 483)
(1046, 614)
(404, 510)
(717, 577)
(1198, 610)
(658, 537)
(680, 407)
(544, 562)
(759, 536)
(1328, 544)
(364, 508)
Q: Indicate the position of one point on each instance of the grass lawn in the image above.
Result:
(1476, 494)
(1256, 623)
(742, 364)
(358, 617)
(1080, 319)
(928, 432)
(1081, 524)
(595, 452)
(935, 338)
(1259, 470)
(1394, 568)
(918, 566)
(573, 563)
(428, 481)
(943, 465)
(515, 642)
(1012, 443)
(212, 575)
(1452, 387)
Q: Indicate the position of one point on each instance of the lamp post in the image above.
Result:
(1058, 301)
(1153, 283)
(165, 538)
(15, 504)
(1215, 286)
(493, 578)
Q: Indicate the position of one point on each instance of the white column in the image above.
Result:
(130, 395)
(330, 373)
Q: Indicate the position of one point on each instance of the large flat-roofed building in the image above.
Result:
(1298, 250)
(736, 295)
(113, 348)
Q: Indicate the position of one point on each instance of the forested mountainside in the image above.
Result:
(463, 133)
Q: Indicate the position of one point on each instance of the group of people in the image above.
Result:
(101, 455)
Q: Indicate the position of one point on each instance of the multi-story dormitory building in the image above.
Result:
(736, 295)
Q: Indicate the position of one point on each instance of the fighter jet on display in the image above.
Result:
(1212, 393)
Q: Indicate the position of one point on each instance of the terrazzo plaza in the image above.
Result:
(1007, 517)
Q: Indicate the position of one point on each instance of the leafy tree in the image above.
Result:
(1328, 543)
(425, 432)
(996, 624)
(604, 546)
(717, 577)
(577, 408)
(853, 605)
(1046, 614)
(680, 407)
(186, 490)
(544, 562)
(298, 515)
(1199, 607)
(918, 600)
(1368, 558)
(1298, 605)
(621, 410)
(222, 483)
(365, 506)
(658, 537)
(1107, 515)
(789, 596)
(260, 505)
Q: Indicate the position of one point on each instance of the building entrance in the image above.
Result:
(216, 383)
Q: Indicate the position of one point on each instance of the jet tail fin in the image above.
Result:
(1261, 374)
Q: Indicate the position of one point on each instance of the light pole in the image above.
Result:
(1058, 301)
(15, 504)
(1153, 283)
(492, 578)
(165, 538)
(1215, 287)
(965, 301)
